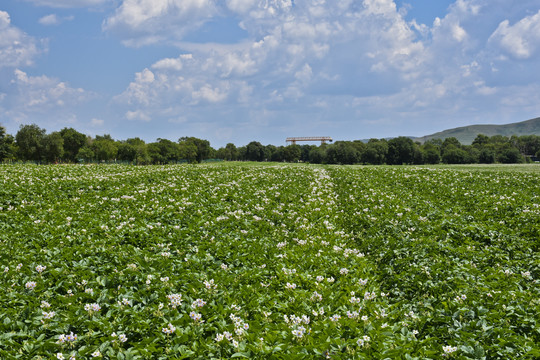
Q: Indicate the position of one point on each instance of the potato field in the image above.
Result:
(269, 261)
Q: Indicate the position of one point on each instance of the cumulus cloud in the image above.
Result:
(51, 19)
(458, 33)
(293, 54)
(169, 83)
(16, 47)
(97, 122)
(520, 40)
(47, 99)
(68, 3)
(144, 22)
(241, 6)
(137, 115)
(291, 47)
(212, 95)
(42, 91)
(168, 63)
(141, 22)
(327, 58)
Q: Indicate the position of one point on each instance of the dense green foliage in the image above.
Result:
(268, 262)
(32, 143)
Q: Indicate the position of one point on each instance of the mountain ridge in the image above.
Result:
(467, 134)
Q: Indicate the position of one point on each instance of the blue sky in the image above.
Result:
(243, 70)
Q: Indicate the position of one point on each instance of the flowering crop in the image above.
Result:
(269, 262)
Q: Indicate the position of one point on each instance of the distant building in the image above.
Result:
(322, 139)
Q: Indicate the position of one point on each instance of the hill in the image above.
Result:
(467, 134)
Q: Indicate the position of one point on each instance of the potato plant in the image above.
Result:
(268, 262)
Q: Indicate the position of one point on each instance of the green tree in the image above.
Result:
(486, 156)
(431, 154)
(292, 153)
(231, 152)
(53, 147)
(360, 146)
(189, 151)
(221, 153)
(528, 144)
(104, 148)
(203, 147)
(347, 152)
(400, 151)
(480, 141)
(255, 151)
(154, 153)
(73, 142)
(435, 142)
(510, 155)
(134, 150)
(271, 153)
(341, 152)
(418, 154)
(317, 155)
(170, 151)
(332, 156)
(306, 149)
(85, 154)
(276, 153)
(499, 139)
(126, 152)
(375, 152)
(473, 154)
(454, 155)
(450, 141)
(7, 146)
(242, 151)
(29, 140)
(268, 151)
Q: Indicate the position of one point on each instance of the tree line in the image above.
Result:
(32, 143)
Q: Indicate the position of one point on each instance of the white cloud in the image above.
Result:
(339, 59)
(482, 89)
(241, 6)
(294, 49)
(164, 64)
(186, 80)
(261, 9)
(42, 99)
(51, 19)
(172, 64)
(4, 20)
(16, 47)
(178, 120)
(137, 115)
(142, 22)
(97, 122)
(68, 3)
(305, 74)
(458, 33)
(37, 92)
(212, 95)
(449, 31)
(146, 76)
(522, 39)
(468, 6)
(380, 7)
